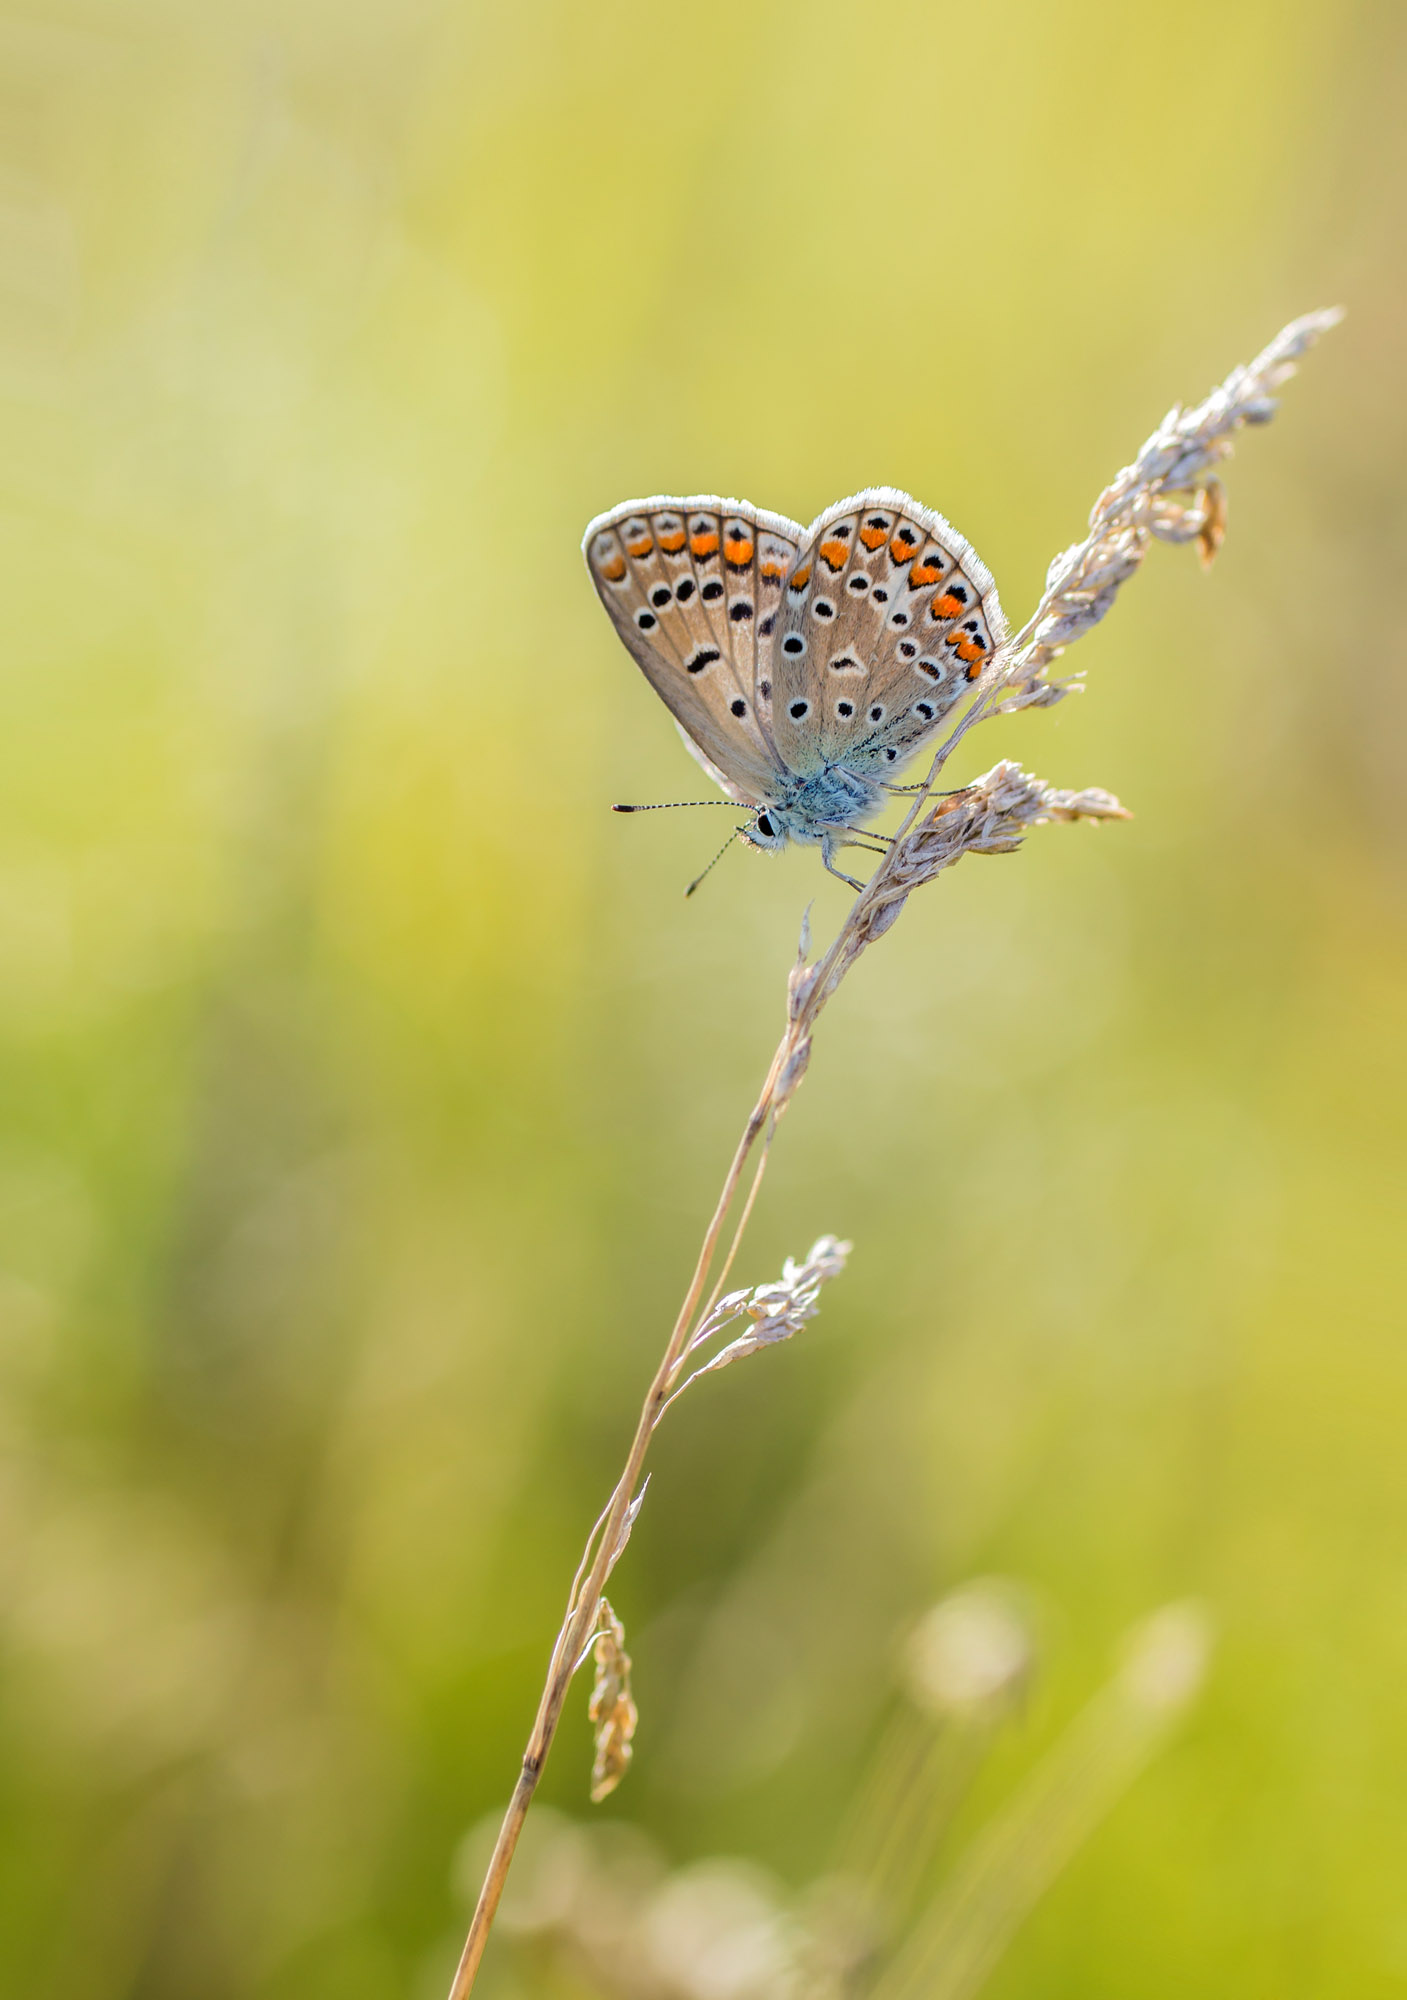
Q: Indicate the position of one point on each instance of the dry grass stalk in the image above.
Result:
(1168, 493)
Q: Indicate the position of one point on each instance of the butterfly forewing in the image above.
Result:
(691, 586)
(888, 619)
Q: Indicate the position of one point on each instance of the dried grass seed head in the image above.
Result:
(777, 1310)
(1169, 493)
(992, 815)
(1165, 1658)
(612, 1708)
(971, 1651)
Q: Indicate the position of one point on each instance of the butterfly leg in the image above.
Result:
(828, 857)
(910, 789)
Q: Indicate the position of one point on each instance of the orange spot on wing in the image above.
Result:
(640, 547)
(946, 606)
(613, 568)
(968, 649)
(802, 577)
(835, 553)
(873, 538)
(773, 567)
(903, 551)
(974, 670)
(704, 544)
(924, 572)
(672, 541)
(739, 551)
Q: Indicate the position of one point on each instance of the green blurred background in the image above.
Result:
(366, 1084)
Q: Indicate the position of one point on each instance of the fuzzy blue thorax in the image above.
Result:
(811, 808)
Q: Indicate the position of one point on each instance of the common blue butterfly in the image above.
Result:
(803, 666)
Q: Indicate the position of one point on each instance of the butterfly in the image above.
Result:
(804, 667)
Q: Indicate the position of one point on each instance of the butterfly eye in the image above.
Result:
(765, 827)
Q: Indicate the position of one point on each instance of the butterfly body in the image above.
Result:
(811, 807)
(803, 666)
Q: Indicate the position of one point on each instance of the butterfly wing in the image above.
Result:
(693, 587)
(888, 619)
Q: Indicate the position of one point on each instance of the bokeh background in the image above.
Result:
(366, 1084)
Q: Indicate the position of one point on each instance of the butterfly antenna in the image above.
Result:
(715, 861)
(673, 805)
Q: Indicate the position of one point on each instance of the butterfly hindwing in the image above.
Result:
(692, 587)
(888, 619)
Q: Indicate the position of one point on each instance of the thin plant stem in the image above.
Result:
(743, 1220)
(581, 1608)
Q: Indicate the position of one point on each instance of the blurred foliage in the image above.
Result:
(365, 1084)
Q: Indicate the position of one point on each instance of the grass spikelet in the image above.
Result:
(612, 1710)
